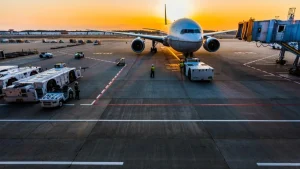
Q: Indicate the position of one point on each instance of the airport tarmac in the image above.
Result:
(247, 117)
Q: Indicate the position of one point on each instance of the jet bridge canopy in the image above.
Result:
(274, 31)
(269, 31)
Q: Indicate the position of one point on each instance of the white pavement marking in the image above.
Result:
(58, 163)
(102, 53)
(278, 164)
(107, 86)
(260, 59)
(282, 72)
(173, 54)
(3, 104)
(269, 74)
(63, 53)
(101, 60)
(157, 121)
(85, 104)
(69, 104)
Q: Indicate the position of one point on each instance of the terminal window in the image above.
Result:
(281, 28)
(259, 30)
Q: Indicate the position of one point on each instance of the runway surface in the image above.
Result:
(247, 117)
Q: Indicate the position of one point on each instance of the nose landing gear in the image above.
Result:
(153, 48)
(187, 55)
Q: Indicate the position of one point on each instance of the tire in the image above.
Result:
(41, 56)
(155, 50)
(71, 95)
(60, 104)
(283, 62)
(190, 75)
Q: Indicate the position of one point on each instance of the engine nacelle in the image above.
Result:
(138, 45)
(211, 44)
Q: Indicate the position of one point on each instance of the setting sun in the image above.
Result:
(134, 14)
(177, 9)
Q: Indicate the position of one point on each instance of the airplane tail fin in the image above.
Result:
(166, 22)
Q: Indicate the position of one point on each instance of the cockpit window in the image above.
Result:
(183, 31)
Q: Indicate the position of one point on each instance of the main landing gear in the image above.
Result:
(153, 48)
(190, 54)
(295, 70)
(281, 59)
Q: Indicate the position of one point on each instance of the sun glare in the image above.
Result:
(177, 9)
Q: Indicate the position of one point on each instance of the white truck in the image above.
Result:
(57, 97)
(196, 70)
(46, 55)
(8, 77)
(33, 88)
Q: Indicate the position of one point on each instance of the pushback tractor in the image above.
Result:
(196, 70)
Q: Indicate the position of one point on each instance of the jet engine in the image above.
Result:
(211, 44)
(138, 45)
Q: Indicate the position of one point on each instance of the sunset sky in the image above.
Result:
(136, 14)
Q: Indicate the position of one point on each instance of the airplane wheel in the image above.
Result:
(60, 104)
(281, 62)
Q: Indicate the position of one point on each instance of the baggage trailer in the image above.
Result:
(6, 68)
(2, 55)
(35, 87)
(196, 70)
(8, 77)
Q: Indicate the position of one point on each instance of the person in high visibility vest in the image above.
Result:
(181, 65)
(77, 91)
(152, 71)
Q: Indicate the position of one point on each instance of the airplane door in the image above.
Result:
(280, 32)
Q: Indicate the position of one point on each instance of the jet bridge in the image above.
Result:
(284, 33)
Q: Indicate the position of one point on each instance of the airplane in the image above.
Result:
(185, 36)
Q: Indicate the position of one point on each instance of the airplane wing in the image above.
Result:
(215, 33)
(150, 37)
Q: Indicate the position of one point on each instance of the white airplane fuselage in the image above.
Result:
(185, 35)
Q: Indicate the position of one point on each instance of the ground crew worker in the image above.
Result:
(152, 71)
(77, 91)
(181, 65)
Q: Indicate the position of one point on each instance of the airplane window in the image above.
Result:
(190, 31)
(197, 31)
(183, 31)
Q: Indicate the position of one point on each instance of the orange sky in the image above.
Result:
(135, 14)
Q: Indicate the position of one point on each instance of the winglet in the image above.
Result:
(166, 22)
